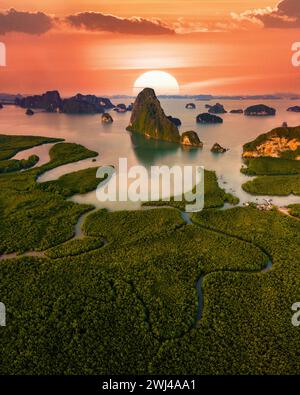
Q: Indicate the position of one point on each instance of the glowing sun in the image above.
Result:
(163, 83)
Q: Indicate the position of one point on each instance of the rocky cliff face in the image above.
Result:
(275, 143)
(149, 119)
(79, 104)
(49, 101)
(85, 104)
(273, 147)
(191, 139)
(217, 109)
(176, 121)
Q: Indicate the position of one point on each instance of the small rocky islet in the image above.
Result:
(260, 110)
(206, 118)
(190, 106)
(120, 108)
(218, 108)
(218, 149)
(294, 109)
(106, 118)
(191, 139)
(29, 112)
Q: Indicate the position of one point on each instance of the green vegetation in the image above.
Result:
(294, 210)
(11, 145)
(75, 247)
(63, 153)
(129, 305)
(276, 176)
(271, 166)
(7, 166)
(136, 293)
(214, 196)
(247, 317)
(82, 181)
(291, 154)
(33, 219)
(70, 318)
(131, 226)
(274, 185)
(231, 199)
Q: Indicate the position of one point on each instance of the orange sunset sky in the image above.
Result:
(103, 46)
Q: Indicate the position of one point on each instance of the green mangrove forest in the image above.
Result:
(122, 297)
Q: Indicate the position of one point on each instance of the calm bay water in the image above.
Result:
(114, 142)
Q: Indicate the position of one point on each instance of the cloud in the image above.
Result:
(25, 22)
(285, 15)
(95, 21)
(39, 23)
(182, 26)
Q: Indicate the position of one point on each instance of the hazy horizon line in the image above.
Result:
(184, 95)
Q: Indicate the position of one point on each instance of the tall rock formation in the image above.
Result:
(149, 119)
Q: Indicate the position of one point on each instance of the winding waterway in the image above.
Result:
(78, 234)
(114, 142)
(14, 255)
(199, 283)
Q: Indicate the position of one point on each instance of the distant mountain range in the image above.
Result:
(289, 96)
(9, 98)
